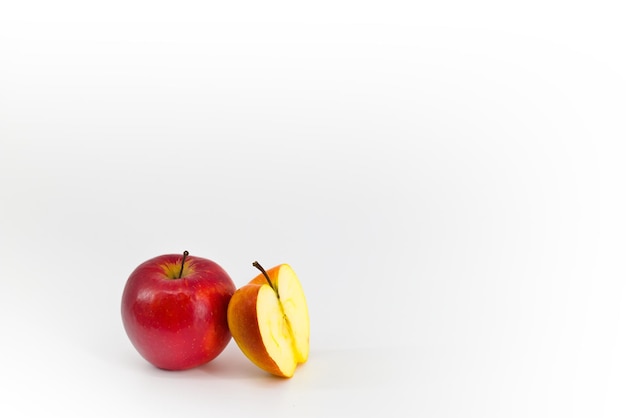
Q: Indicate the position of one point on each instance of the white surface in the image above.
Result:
(447, 181)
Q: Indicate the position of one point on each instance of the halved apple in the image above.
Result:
(269, 320)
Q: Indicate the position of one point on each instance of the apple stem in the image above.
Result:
(257, 265)
(182, 263)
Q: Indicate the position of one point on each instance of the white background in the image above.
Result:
(447, 180)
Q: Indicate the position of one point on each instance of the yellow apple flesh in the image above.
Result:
(270, 323)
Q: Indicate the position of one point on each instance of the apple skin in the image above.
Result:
(246, 326)
(177, 323)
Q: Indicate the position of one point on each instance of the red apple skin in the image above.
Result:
(177, 323)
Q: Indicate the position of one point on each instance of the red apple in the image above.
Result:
(174, 310)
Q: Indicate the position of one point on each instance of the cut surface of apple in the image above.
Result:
(269, 321)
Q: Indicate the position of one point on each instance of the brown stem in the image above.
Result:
(257, 265)
(182, 263)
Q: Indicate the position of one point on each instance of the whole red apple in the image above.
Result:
(174, 310)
